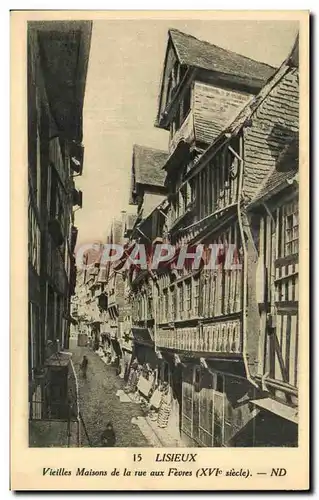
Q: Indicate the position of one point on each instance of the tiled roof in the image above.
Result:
(274, 182)
(274, 125)
(214, 109)
(285, 169)
(282, 173)
(194, 52)
(148, 165)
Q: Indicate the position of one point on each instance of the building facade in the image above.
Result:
(57, 65)
(225, 340)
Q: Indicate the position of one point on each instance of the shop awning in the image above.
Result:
(142, 336)
(277, 408)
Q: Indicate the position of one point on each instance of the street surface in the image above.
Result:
(100, 405)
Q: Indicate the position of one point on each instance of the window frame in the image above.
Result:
(291, 212)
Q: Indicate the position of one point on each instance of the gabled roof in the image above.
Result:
(246, 113)
(200, 54)
(193, 53)
(147, 168)
(272, 122)
(274, 183)
(274, 126)
(214, 109)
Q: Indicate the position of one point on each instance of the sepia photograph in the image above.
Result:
(163, 233)
(159, 251)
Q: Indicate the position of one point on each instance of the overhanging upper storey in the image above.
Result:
(64, 53)
(188, 59)
(147, 174)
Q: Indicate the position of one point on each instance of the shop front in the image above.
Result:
(216, 404)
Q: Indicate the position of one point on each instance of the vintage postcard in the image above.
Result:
(159, 247)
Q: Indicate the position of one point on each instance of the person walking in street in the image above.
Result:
(108, 438)
(84, 366)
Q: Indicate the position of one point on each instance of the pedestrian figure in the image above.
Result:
(84, 366)
(108, 438)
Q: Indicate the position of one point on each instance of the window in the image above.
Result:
(188, 290)
(181, 300)
(172, 303)
(165, 305)
(160, 308)
(291, 225)
(174, 292)
(196, 296)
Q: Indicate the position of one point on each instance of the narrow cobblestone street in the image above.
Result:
(99, 403)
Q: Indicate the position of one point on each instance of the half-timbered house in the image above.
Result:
(147, 192)
(209, 321)
(57, 65)
(203, 89)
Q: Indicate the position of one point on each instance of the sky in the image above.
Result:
(123, 80)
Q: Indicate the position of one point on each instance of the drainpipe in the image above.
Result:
(240, 157)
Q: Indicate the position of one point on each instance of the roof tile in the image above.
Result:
(148, 164)
(201, 54)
